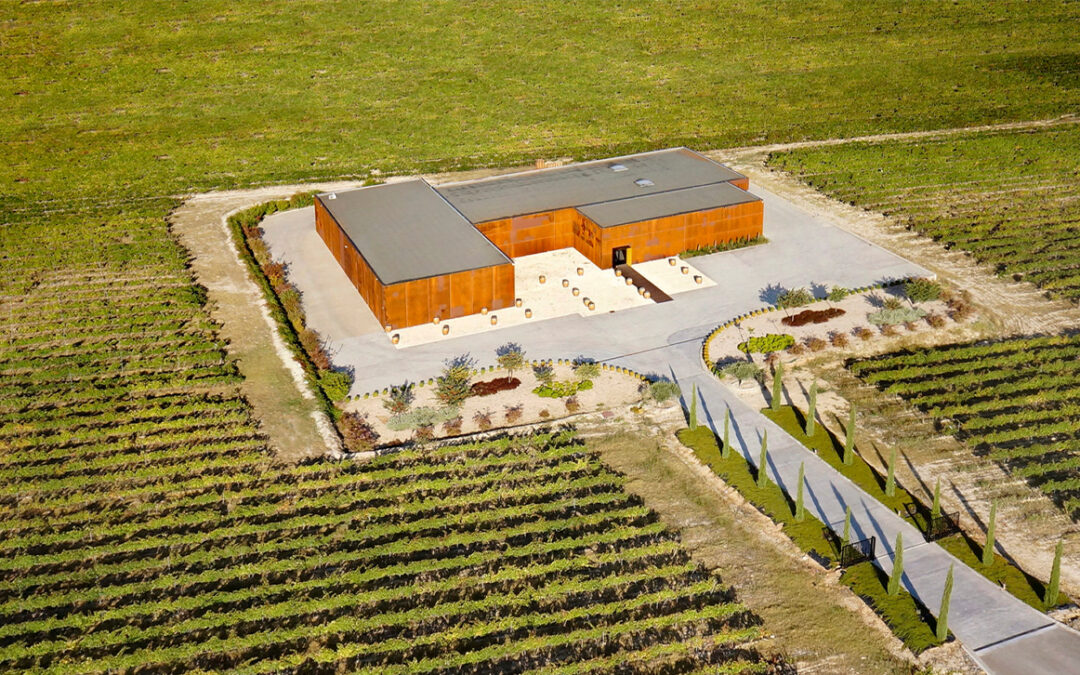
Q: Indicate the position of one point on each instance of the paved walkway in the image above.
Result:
(1004, 634)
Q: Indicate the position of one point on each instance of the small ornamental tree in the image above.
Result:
(762, 474)
(846, 539)
(1052, 588)
(454, 385)
(943, 613)
(988, 549)
(400, 399)
(796, 297)
(898, 565)
(800, 510)
(777, 387)
(510, 357)
(693, 408)
(849, 438)
(890, 476)
(811, 410)
(725, 450)
(544, 373)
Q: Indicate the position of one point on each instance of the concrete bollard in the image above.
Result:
(446, 330)
(483, 310)
(395, 338)
(565, 283)
(629, 281)
(435, 320)
(576, 291)
(684, 270)
(581, 271)
(528, 313)
(517, 302)
(697, 279)
(672, 262)
(494, 319)
(543, 279)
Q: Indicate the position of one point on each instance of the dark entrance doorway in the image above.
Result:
(620, 256)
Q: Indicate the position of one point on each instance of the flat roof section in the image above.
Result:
(670, 203)
(587, 183)
(407, 231)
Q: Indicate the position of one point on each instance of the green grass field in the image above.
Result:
(1008, 198)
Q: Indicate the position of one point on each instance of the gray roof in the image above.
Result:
(580, 184)
(407, 231)
(670, 203)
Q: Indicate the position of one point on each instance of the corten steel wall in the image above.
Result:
(741, 183)
(354, 265)
(411, 303)
(671, 235)
(532, 233)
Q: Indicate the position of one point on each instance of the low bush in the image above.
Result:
(544, 414)
(891, 317)
(421, 417)
(922, 290)
(663, 390)
(812, 316)
(452, 426)
(815, 344)
(544, 373)
(482, 419)
(572, 405)
(838, 293)
(335, 384)
(796, 297)
(454, 385)
(889, 330)
(741, 370)
(586, 370)
(513, 413)
(935, 320)
(764, 344)
(489, 387)
(357, 434)
(400, 399)
(424, 434)
(741, 242)
(796, 349)
(559, 389)
(892, 302)
(863, 333)
(839, 339)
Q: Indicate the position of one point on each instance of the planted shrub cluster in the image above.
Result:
(808, 316)
(561, 389)
(764, 344)
(1013, 400)
(893, 317)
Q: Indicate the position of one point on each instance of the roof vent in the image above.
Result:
(332, 195)
(618, 167)
(643, 182)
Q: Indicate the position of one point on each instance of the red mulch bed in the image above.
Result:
(495, 386)
(812, 316)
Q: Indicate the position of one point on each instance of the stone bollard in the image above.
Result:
(494, 319)
(446, 330)
(565, 283)
(698, 279)
(576, 291)
(581, 271)
(528, 313)
(629, 281)
(395, 338)
(543, 279)
(672, 262)
(517, 302)
(684, 270)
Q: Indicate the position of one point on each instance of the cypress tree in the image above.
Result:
(847, 525)
(762, 474)
(890, 477)
(988, 549)
(935, 508)
(800, 510)
(1055, 579)
(811, 410)
(777, 387)
(898, 565)
(725, 451)
(943, 613)
(849, 438)
(693, 409)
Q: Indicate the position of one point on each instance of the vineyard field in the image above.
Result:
(1016, 401)
(1010, 199)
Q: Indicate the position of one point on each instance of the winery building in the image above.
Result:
(417, 251)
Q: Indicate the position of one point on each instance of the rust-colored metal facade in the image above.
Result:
(410, 303)
(648, 239)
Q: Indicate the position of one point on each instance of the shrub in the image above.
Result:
(357, 434)
(890, 317)
(892, 302)
(335, 384)
(494, 386)
(935, 320)
(888, 330)
(544, 414)
(796, 297)
(838, 339)
(510, 357)
(838, 293)
(796, 349)
(763, 344)
(586, 370)
(662, 390)
(312, 344)
(812, 316)
(961, 311)
(815, 344)
(557, 389)
(863, 333)
(514, 413)
(771, 359)
(400, 399)
(453, 386)
(452, 426)
(423, 416)
(572, 404)
(911, 326)
(922, 290)
(742, 370)
(544, 373)
(424, 434)
(483, 419)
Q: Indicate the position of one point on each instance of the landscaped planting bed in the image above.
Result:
(1015, 400)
